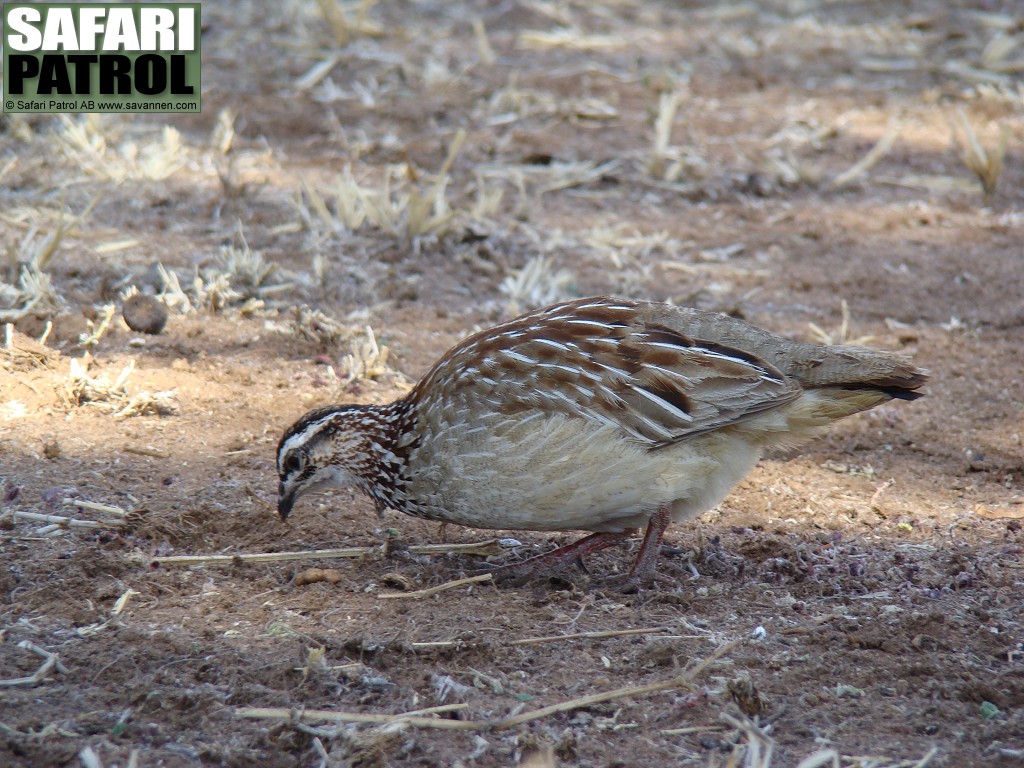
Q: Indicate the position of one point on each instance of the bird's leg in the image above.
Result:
(561, 558)
(642, 572)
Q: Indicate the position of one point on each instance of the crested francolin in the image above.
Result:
(599, 414)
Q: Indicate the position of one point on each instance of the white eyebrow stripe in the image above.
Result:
(664, 405)
(300, 437)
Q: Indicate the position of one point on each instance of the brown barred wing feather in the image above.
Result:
(598, 359)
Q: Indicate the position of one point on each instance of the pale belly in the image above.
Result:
(561, 473)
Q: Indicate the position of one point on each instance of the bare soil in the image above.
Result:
(874, 580)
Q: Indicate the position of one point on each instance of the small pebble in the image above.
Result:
(145, 314)
(397, 580)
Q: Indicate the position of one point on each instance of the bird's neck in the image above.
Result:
(389, 439)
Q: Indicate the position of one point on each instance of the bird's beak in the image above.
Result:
(285, 501)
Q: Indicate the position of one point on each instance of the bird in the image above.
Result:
(599, 414)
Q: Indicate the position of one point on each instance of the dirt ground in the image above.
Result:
(872, 583)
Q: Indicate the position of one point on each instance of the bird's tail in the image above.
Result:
(855, 368)
(838, 382)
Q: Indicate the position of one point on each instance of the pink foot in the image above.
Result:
(644, 568)
(559, 559)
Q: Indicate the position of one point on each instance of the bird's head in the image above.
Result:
(335, 446)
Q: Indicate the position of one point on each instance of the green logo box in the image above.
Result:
(102, 57)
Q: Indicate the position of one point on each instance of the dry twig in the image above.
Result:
(684, 680)
(866, 163)
(420, 593)
(841, 334)
(481, 548)
(549, 638)
(50, 662)
(416, 718)
(67, 522)
(94, 506)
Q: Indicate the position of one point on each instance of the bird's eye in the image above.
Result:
(294, 463)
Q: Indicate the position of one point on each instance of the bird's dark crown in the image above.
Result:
(315, 415)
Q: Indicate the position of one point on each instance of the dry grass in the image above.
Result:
(344, 29)
(366, 359)
(667, 162)
(239, 277)
(96, 330)
(172, 293)
(314, 325)
(537, 284)
(754, 747)
(245, 267)
(871, 158)
(99, 145)
(363, 359)
(570, 39)
(841, 335)
(402, 205)
(25, 285)
(515, 103)
(110, 393)
(995, 56)
(626, 244)
(985, 163)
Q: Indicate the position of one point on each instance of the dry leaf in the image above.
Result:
(999, 513)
